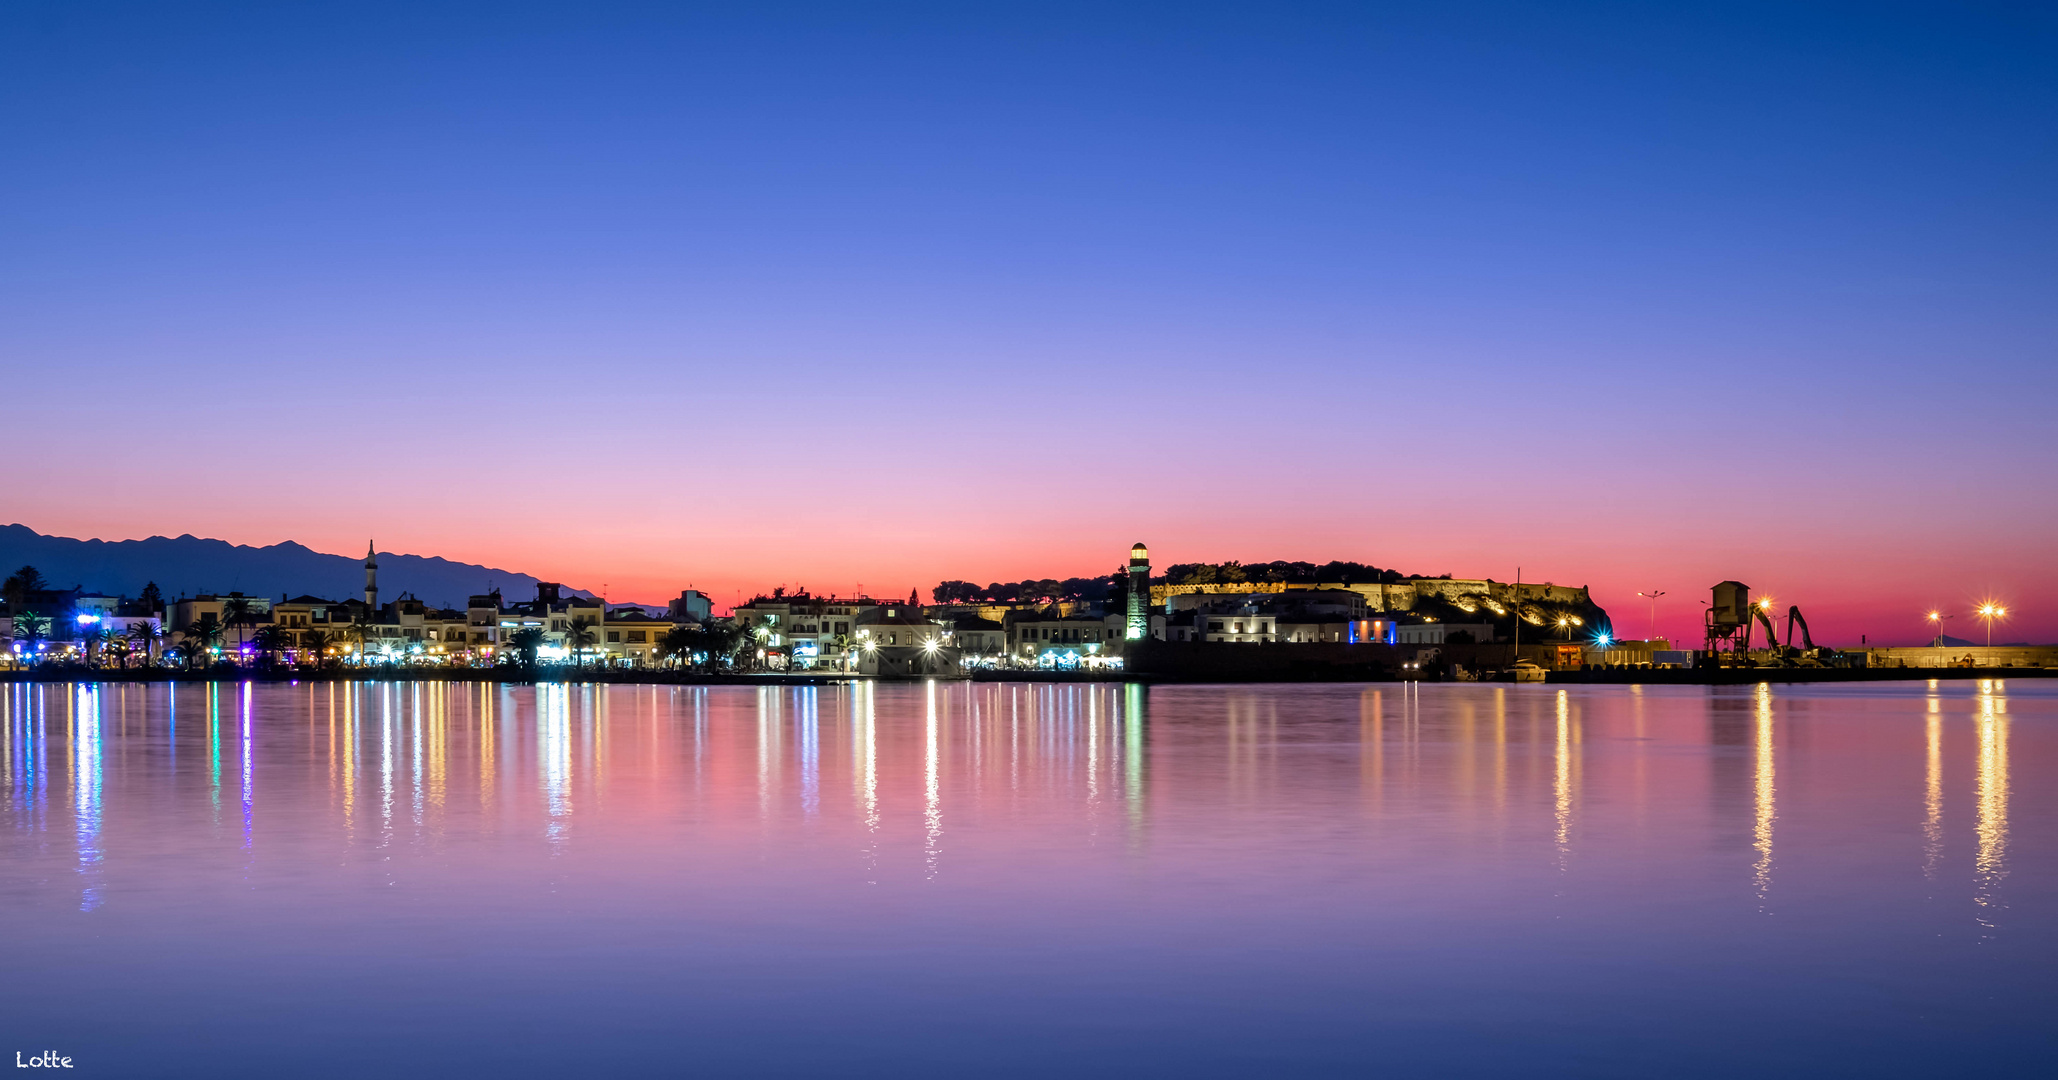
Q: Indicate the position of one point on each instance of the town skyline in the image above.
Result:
(1675, 617)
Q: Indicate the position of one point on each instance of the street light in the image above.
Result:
(1936, 619)
(1990, 612)
(1653, 596)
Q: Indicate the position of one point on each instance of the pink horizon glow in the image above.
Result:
(1841, 600)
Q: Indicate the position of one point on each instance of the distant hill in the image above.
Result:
(189, 565)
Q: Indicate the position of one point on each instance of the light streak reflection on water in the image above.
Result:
(1163, 826)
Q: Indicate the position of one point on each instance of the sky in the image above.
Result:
(1637, 296)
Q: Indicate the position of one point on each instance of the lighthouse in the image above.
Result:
(1139, 593)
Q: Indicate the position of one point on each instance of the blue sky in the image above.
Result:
(1296, 267)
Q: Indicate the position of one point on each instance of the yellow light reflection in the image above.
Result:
(1562, 784)
(1990, 825)
(1767, 812)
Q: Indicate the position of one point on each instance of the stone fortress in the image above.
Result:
(1465, 594)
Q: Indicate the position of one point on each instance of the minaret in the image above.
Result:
(1139, 593)
(371, 577)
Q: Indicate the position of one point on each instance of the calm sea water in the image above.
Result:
(346, 880)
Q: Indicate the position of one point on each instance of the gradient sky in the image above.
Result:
(1638, 296)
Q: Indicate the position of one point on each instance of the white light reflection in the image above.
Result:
(1990, 825)
(869, 779)
(415, 758)
(933, 811)
(554, 726)
(810, 752)
(243, 782)
(86, 780)
(386, 722)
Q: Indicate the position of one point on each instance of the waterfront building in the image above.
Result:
(632, 637)
(1044, 640)
(1441, 633)
(692, 605)
(981, 639)
(1241, 623)
(799, 630)
(1466, 594)
(1303, 630)
(902, 642)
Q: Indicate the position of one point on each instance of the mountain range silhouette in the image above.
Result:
(188, 565)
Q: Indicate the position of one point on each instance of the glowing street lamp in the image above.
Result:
(1652, 595)
(1989, 612)
(1936, 621)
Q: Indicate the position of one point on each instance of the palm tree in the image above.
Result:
(185, 652)
(146, 634)
(580, 636)
(315, 645)
(30, 632)
(270, 641)
(721, 640)
(366, 632)
(118, 647)
(714, 643)
(201, 636)
(237, 612)
(97, 640)
(680, 643)
(525, 642)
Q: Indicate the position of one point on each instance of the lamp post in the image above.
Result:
(1936, 621)
(1653, 596)
(1990, 612)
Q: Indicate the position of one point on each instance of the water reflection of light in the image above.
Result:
(352, 702)
(810, 751)
(439, 743)
(932, 816)
(1092, 752)
(1990, 827)
(489, 731)
(1132, 760)
(243, 782)
(86, 781)
(386, 722)
(767, 731)
(1933, 789)
(1761, 831)
(214, 747)
(554, 722)
(869, 777)
(1562, 784)
(415, 788)
(1500, 753)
